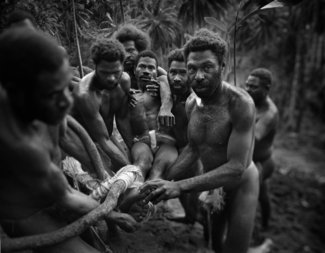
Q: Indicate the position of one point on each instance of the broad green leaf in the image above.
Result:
(217, 23)
(274, 4)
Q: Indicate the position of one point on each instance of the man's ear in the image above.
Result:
(223, 66)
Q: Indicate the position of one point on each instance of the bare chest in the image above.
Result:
(110, 102)
(210, 127)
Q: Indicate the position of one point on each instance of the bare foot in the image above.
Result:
(124, 221)
(264, 248)
(139, 210)
(131, 196)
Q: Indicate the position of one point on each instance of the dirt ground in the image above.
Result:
(298, 200)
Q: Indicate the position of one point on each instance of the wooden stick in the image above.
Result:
(69, 231)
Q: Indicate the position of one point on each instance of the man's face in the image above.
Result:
(177, 78)
(131, 53)
(255, 89)
(109, 74)
(204, 72)
(52, 100)
(145, 70)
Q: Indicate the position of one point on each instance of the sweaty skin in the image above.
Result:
(143, 118)
(96, 105)
(155, 89)
(266, 124)
(221, 132)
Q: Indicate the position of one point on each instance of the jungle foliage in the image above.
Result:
(290, 41)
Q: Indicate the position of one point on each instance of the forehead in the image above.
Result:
(201, 56)
(105, 65)
(253, 80)
(129, 44)
(177, 65)
(147, 61)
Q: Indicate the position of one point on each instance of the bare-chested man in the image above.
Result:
(258, 86)
(135, 41)
(181, 90)
(100, 96)
(221, 133)
(30, 183)
(143, 118)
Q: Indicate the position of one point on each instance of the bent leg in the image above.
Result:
(164, 158)
(142, 157)
(241, 212)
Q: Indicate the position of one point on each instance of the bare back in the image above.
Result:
(106, 103)
(17, 199)
(266, 123)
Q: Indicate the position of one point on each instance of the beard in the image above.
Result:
(178, 92)
(129, 64)
(211, 84)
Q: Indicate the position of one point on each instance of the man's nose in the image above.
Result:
(177, 78)
(199, 76)
(110, 78)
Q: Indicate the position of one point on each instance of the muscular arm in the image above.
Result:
(165, 116)
(186, 159)
(122, 118)
(89, 110)
(43, 176)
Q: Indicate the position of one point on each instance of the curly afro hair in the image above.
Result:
(176, 55)
(132, 33)
(207, 40)
(264, 75)
(107, 50)
(146, 53)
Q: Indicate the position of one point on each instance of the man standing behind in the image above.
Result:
(181, 90)
(103, 94)
(258, 86)
(134, 42)
(221, 133)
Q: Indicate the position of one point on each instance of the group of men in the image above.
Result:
(184, 128)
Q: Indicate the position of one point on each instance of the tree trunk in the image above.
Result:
(122, 11)
(77, 40)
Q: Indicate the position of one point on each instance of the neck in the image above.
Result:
(261, 103)
(95, 84)
(215, 96)
(184, 96)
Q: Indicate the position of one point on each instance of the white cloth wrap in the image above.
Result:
(131, 176)
(153, 140)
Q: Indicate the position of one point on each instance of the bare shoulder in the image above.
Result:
(241, 105)
(190, 103)
(162, 78)
(273, 110)
(82, 88)
(125, 82)
(161, 72)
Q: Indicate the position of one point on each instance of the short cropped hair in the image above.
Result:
(205, 39)
(24, 54)
(20, 15)
(132, 33)
(175, 55)
(107, 50)
(146, 53)
(264, 75)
